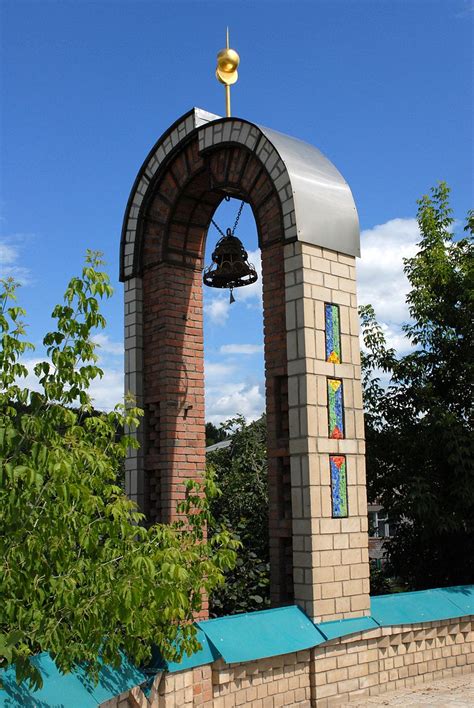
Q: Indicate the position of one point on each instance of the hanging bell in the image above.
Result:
(230, 267)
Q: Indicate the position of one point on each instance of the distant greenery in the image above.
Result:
(214, 434)
(241, 474)
(420, 447)
(242, 507)
(80, 577)
(419, 429)
(379, 582)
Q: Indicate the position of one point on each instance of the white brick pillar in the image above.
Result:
(330, 540)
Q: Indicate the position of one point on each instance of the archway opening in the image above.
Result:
(236, 434)
(173, 222)
(233, 333)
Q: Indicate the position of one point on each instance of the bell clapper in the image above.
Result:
(232, 298)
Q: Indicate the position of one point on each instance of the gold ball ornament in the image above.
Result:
(227, 62)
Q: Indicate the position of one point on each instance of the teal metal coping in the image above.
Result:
(423, 606)
(236, 639)
(340, 628)
(206, 655)
(256, 635)
(460, 595)
(68, 690)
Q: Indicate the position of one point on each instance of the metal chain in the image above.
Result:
(235, 223)
(238, 217)
(217, 227)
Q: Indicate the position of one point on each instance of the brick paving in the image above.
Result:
(454, 691)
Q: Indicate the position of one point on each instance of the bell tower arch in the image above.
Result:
(308, 235)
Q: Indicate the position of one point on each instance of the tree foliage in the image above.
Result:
(214, 434)
(80, 577)
(242, 507)
(420, 445)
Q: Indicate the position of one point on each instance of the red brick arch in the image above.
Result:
(180, 203)
(309, 237)
(172, 226)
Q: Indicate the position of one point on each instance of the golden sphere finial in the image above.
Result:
(227, 62)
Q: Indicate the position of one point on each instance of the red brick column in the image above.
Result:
(276, 385)
(173, 385)
(175, 219)
(308, 232)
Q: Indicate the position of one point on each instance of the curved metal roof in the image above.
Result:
(326, 214)
(317, 203)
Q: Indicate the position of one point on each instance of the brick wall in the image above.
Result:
(173, 385)
(391, 658)
(165, 335)
(330, 557)
(277, 681)
(276, 386)
(363, 664)
(316, 560)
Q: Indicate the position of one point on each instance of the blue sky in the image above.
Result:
(383, 88)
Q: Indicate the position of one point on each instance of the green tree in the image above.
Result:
(420, 445)
(242, 507)
(80, 577)
(214, 434)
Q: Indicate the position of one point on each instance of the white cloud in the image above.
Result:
(239, 398)
(381, 281)
(30, 381)
(252, 292)
(241, 349)
(10, 253)
(380, 277)
(105, 392)
(217, 309)
(395, 338)
(227, 396)
(217, 372)
(107, 346)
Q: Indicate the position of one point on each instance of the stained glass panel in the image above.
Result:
(333, 333)
(335, 409)
(337, 465)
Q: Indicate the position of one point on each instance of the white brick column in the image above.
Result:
(330, 555)
(133, 339)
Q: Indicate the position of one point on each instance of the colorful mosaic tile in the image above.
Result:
(337, 465)
(333, 334)
(335, 409)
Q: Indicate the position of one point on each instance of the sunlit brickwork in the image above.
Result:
(310, 336)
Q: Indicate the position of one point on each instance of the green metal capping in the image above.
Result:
(206, 655)
(257, 635)
(423, 606)
(341, 628)
(72, 690)
(461, 595)
(236, 639)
